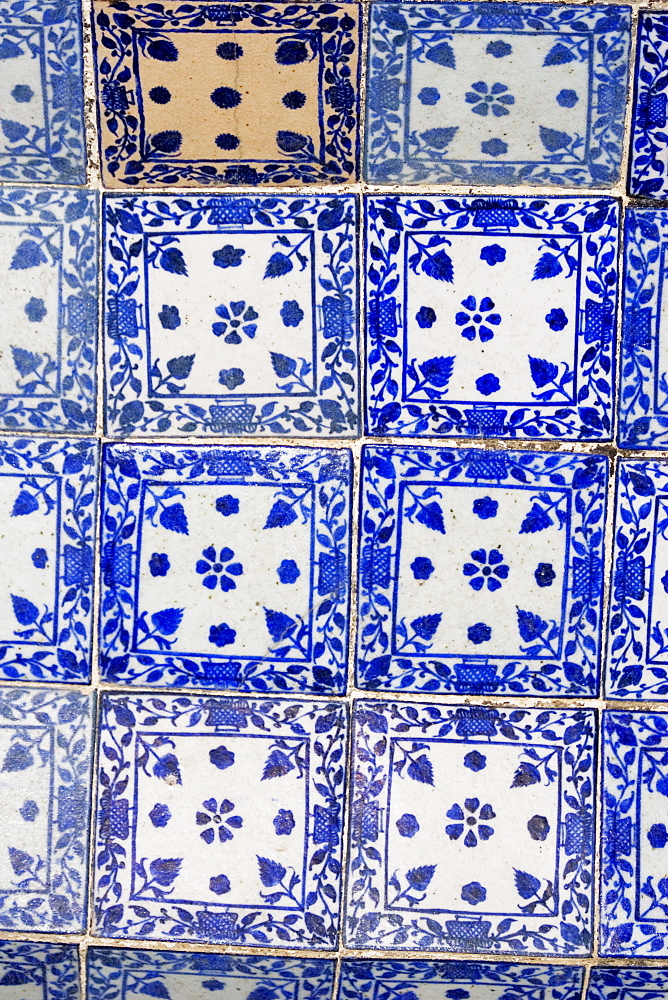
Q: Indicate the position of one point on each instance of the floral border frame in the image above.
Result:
(332, 410)
(123, 162)
(369, 925)
(323, 725)
(68, 715)
(74, 463)
(648, 143)
(594, 220)
(387, 105)
(73, 408)
(53, 966)
(622, 982)
(326, 474)
(577, 672)
(64, 162)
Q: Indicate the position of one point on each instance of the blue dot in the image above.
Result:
(494, 147)
(288, 571)
(229, 50)
(167, 142)
(39, 558)
(227, 141)
(226, 97)
(567, 98)
(487, 384)
(294, 100)
(160, 95)
(474, 893)
(227, 505)
(422, 568)
(485, 507)
(22, 93)
(291, 52)
(429, 95)
(479, 633)
(426, 317)
(475, 761)
(658, 835)
(499, 49)
(556, 319)
(158, 564)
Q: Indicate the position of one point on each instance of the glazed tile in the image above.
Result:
(471, 829)
(491, 317)
(496, 94)
(648, 140)
(36, 971)
(47, 499)
(252, 545)
(227, 93)
(633, 893)
(41, 92)
(362, 979)
(481, 571)
(630, 983)
(643, 391)
(46, 757)
(231, 315)
(251, 858)
(190, 976)
(637, 659)
(48, 262)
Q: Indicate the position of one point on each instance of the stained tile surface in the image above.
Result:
(491, 317)
(231, 315)
(250, 858)
(496, 94)
(647, 173)
(622, 983)
(220, 93)
(472, 829)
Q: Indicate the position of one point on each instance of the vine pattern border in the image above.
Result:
(647, 167)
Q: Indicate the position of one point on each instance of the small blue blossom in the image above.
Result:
(479, 633)
(485, 507)
(474, 893)
(288, 571)
(476, 829)
(227, 505)
(216, 570)
(426, 317)
(169, 317)
(217, 816)
(39, 558)
(22, 93)
(222, 635)
(291, 313)
(658, 835)
(29, 810)
(220, 884)
(494, 147)
(234, 319)
(475, 319)
(499, 49)
(429, 96)
(556, 319)
(475, 761)
(567, 98)
(284, 822)
(160, 815)
(487, 384)
(231, 377)
(493, 254)
(422, 568)
(35, 310)
(544, 575)
(491, 568)
(158, 564)
(483, 99)
(407, 825)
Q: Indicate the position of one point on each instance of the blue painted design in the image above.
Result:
(647, 168)
(423, 499)
(327, 47)
(646, 983)
(574, 136)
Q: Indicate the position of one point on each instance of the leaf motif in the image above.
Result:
(536, 520)
(167, 621)
(25, 611)
(276, 765)
(419, 878)
(558, 55)
(25, 503)
(168, 769)
(162, 49)
(27, 254)
(18, 758)
(442, 55)
(431, 516)
(271, 872)
(25, 362)
(421, 770)
(553, 140)
(279, 625)
(531, 626)
(172, 260)
(439, 266)
(426, 626)
(548, 266)
(156, 989)
(181, 367)
(165, 870)
(542, 371)
(526, 774)
(174, 519)
(283, 365)
(280, 515)
(278, 265)
(527, 885)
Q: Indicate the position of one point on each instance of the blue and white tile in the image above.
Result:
(165, 120)
(627, 983)
(48, 491)
(231, 315)
(491, 317)
(41, 92)
(362, 979)
(634, 887)
(36, 971)
(45, 748)
(637, 656)
(481, 571)
(643, 388)
(472, 829)
(128, 974)
(649, 144)
(226, 568)
(502, 94)
(48, 263)
(251, 858)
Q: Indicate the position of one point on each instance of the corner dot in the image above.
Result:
(229, 50)
(160, 95)
(227, 141)
(226, 97)
(294, 100)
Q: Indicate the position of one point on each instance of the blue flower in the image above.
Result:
(474, 893)
(422, 568)
(567, 98)
(222, 635)
(220, 884)
(426, 317)
(556, 319)
(472, 821)
(294, 100)
(228, 256)
(231, 377)
(493, 254)
(482, 99)
(29, 810)
(234, 319)
(544, 575)
(226, 97)
(475, 319)
(407, 825)
(39, 558)
(499, 49)
(169, 317)
(538, 827)
(490, 568)
(494, 147)
(215, 570)
(288, 571)
(291, 313)
(160, 815)
(479, 633)
(22, 93)
(475, 761)
(227, 505)
(485, 507)
(284, 822)
(35, 310)
(429, 95)
(217, 817)
(658, 835)
(158, 564)
(487, 384)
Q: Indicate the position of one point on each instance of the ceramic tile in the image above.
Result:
(260, 294)
(481, 571)
(630, 983)
(48, 262)
(46, 756)
(47, 505)
(637, 658)
(496, 94)
(255, 541)
(633, 893)
(129, 974)
(251, 858)
(227, 93)
(472, 829)
(643, 400)
(365, 980)
(36, 971)
(41, 92)
(491, 317)
(648, 140)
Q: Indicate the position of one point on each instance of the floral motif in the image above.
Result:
(490, 569)
(217, 570)
(485, 99)
(476, 318)
(476, 814)
(217, 817)
(236, 319)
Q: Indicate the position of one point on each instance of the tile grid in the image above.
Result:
(360, 188)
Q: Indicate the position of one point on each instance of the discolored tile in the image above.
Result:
(648, 140)
(622, 983)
